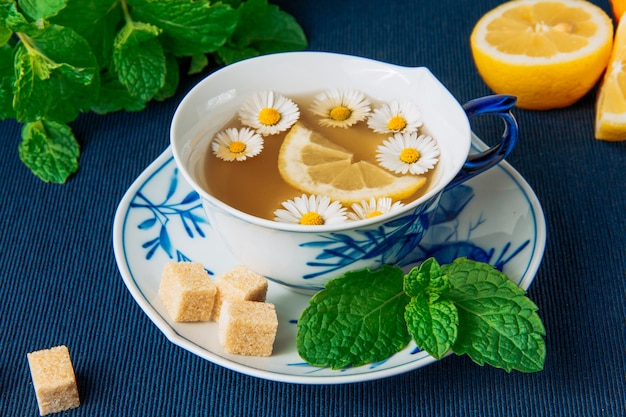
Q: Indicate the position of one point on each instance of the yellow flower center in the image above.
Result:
(396, 123)
(340, 113)
(269, 116)
(311, 219)
(237, 146)
(374, 214)
(409, 155)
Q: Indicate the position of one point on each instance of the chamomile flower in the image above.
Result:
(269, 112)
(237, 144)
(311, 210)
(395, 117)
(375, 207)
(407, 152)
(340, 108)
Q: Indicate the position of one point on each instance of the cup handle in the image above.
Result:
(499, 105)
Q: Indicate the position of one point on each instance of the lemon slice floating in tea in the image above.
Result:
(548, 53)
(313, 164)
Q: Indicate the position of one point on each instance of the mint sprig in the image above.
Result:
(59, 58)
(465, 307)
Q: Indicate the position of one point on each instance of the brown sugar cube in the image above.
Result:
(248, 328)
(239, 284)
(53, 379)
(187, 291)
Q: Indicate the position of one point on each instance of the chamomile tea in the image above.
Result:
(369, 157)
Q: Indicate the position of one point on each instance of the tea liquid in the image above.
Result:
(255, 185)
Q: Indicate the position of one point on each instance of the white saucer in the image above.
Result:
(494, 217)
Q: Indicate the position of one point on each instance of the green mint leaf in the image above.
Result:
(56, 76)
(429, 278)
(172, 77)
(198, 63)
(139, 60)
(95, 20)
(433, 326)
(115, 97)
(432, 321)
(50, 150)
(11, 19)
(31, 93)
(498, 324)
(262, 29)
(5, 34)
(233, 3)
(357, 319)
(189, 27)
(228, 54)
(41, 9)
(6, 82)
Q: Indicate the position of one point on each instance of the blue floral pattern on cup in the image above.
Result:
(183, 209)
(338, 250)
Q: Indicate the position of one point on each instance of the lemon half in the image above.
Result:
(548, 53)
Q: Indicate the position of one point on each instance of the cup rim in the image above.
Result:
(307, 229)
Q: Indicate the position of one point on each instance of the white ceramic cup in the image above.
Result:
(304, 258)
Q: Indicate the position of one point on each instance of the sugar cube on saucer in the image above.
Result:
(239, 284)
(248, 327)
(187, 291)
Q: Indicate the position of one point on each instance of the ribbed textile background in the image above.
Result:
(59, 283)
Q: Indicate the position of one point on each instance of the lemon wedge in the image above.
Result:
(610, 123)
(618, 7)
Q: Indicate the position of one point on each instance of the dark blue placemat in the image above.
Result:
(59, 283)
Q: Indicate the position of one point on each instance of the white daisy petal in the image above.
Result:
(372, 208)
(303, 203)
(319, 203)
(407, 152)
(340, 108)
(335, 213)
(285, 216)
(237, 144)
(311, 210)
(395, 117)
(269, 112)
(293, 208)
